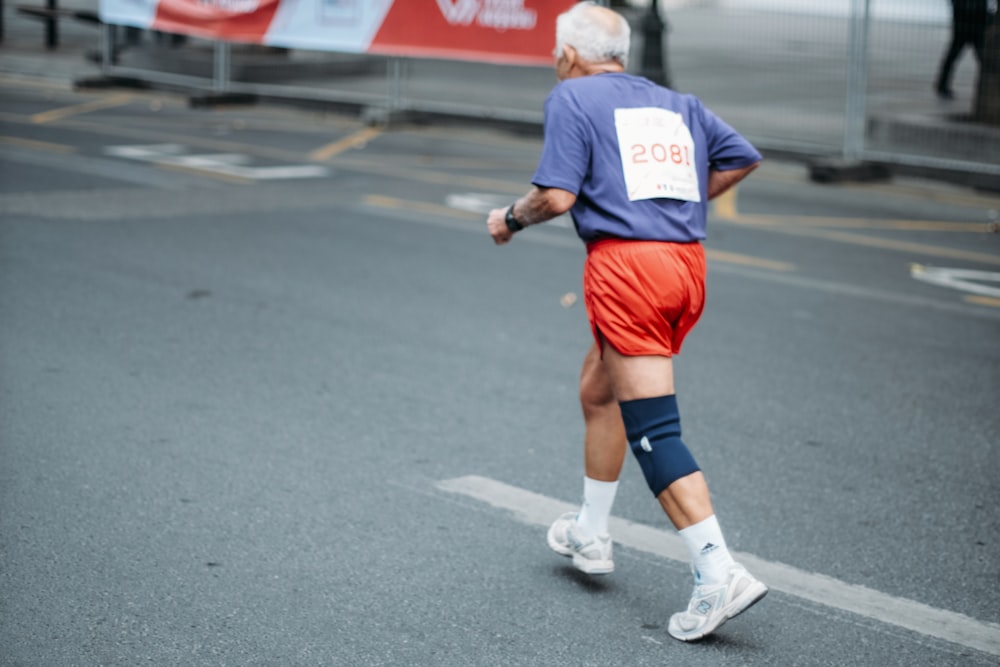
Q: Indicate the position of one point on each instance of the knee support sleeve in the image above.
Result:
(653, 427)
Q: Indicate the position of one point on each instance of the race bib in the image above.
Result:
(657, 154)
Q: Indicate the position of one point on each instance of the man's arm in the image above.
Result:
(539, 205)
(720, 181)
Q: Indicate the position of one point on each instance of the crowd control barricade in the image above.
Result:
(308, 39)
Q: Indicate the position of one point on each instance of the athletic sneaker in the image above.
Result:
(713, 604)
(591, 554)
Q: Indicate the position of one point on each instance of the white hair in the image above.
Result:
(594, 38)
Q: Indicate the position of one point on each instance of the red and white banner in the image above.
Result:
(502, 31)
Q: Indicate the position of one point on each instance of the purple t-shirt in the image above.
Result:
(582, 155)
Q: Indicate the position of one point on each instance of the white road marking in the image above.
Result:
(224, 164)
(101, 167)
(966, 280)
(149, 152)
(477, 202)
(539, 510)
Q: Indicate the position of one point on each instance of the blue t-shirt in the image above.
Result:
(581, 154)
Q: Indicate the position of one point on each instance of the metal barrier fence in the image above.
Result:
(854, 79)
(845, 79)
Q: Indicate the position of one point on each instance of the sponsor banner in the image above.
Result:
(501, 31)
(517, 31)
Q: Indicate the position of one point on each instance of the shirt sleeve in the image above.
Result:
(566, 151)
(727, 148)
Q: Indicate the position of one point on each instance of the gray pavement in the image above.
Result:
(233, 409)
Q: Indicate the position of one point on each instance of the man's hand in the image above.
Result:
(496, 224)
(539, 205)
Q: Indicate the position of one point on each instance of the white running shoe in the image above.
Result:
(591, 554)
(713, 604)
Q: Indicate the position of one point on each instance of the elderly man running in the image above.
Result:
(635, 164)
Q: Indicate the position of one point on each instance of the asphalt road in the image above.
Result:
(270, 396)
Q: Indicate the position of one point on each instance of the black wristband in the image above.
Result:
(512, 223)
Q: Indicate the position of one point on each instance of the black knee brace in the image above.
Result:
(653, 427)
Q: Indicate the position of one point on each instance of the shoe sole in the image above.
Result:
(579, 562)
(593, 566)
(754, 594)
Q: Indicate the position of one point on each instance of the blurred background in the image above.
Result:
(844, 80)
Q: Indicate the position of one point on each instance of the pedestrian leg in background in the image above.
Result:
(968, 28)
(943, 82)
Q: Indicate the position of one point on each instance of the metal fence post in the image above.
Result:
(857, 81)
(220, 69)
(395, 83)
(107, 47)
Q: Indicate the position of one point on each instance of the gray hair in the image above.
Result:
(595, 38)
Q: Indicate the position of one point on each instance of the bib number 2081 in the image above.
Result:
(657, 153)
(644, 154)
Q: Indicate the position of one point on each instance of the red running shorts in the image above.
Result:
(643, 297)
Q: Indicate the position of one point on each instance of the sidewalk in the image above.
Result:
(783, 87)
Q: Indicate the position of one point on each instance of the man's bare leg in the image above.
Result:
(605, 445)
(583, 535)
(687, 501)
(604, 441)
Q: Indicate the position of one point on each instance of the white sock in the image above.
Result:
(598, 497)
(709, 553)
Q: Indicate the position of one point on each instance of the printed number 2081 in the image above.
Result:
(642, 154)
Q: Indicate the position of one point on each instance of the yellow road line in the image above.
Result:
(861, 223)
(983, 300)
(904, 246)
(86, 107)
(922, 191)
(725, 205)
(747, 260)
(465, 164)
(359, 138)
(38, 145)
(423, 207)
(430, 176)
(873, 242)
